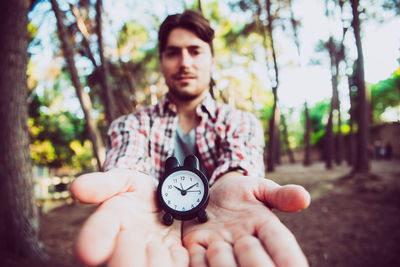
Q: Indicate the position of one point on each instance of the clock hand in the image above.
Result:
(182, 187)
(192, 186)
(180, 190)
(194, 191)
(183, 192)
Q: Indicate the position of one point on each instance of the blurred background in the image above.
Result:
(322, 76)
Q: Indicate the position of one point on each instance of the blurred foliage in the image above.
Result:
(52, 128)
(82, 159)
(392, 5)
(385, 94)
(319, 114)
(56, 124)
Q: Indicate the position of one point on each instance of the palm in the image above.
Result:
(126, 230)
(241, 229)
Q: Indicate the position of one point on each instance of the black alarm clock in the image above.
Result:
(183, 191)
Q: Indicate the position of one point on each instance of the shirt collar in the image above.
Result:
(207, 106)
(165, 105)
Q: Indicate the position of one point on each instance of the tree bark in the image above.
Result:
(362, 162)
(277, 136)
(102, 70)
(307, 135)
(286, 140)
(129, 80)
(328, 141)
(329, 136)
(85, 34)
(109, 102)
(124, 104)
(83, 97)
(339, 141)
(199, 7)
(293, 22)
(19, 220)
(351, 140)
(271, 143)
(271, 137)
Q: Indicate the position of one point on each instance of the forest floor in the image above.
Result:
(353, 222)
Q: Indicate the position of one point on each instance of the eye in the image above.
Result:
(195, 52)
(171, 53)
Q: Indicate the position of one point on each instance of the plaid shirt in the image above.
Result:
(227, 139)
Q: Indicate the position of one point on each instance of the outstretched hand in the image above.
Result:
(242, 230)
(126, 229)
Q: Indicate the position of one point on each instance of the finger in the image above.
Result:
(130, 250)
(281, 244)
(250, 252)
(179, 255)
(100, 186)
(197, 254)
(289, 198)
(173, 241)
(97, 237)
(220, 254)
(157, 254)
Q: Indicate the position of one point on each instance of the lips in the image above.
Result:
(181, 77)
(184, 77)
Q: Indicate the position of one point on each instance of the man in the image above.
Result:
(126, 229)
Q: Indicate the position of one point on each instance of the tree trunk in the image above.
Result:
(277, 137)
(124, 104)
(101, 71)
(271, 143)
(337, 147)
(199, 7)
(286, 140)
(271, 138)
(131, 85)
(332, 142)
(293, 22)
(85, 34)
(307, 135)
(108, 97)
(362, 161)
(351, 148)
(339, 141)
(129, 80)
(19, 220)
(83, 97)
(328, 141)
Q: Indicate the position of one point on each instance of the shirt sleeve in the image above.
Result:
(127, 144)
(241, 146)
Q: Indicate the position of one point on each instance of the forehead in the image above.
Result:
(182, 38)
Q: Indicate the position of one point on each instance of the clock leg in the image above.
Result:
(202, 216)
(168, 219)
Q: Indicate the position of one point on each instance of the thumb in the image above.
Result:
(97, 187)
(288, 198)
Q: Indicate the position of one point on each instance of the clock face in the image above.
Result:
(182, 190)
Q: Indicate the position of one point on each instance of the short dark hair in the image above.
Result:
(190, 20)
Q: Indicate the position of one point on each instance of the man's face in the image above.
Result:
(186, 64)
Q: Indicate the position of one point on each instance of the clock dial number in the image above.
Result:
(182, 191)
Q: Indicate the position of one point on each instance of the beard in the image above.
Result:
(189, 91)
(182, 95)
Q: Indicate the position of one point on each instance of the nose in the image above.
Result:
(186, 59)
